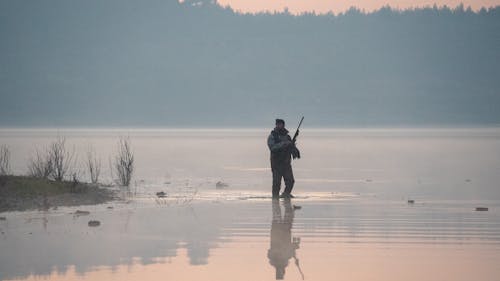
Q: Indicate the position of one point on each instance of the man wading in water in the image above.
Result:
(282, 148)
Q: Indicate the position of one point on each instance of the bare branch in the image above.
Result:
(61, 158)
(55, 161)
(124, 162)
(4, 160)
(93, 165)
(40, 165)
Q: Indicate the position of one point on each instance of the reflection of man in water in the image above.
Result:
(282, 245)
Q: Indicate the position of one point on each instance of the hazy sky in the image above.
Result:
(323, 6)
(127, 63)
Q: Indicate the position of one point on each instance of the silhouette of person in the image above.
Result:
(282, 148)
(282, 246)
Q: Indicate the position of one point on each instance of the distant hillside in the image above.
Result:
(161, 63)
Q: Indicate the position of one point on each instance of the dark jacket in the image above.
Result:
(280, 144)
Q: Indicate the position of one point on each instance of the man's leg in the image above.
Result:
(277, 175)
(289, 180)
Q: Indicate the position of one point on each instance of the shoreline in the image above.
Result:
(25, 193)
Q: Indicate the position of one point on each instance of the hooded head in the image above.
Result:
(280, 124)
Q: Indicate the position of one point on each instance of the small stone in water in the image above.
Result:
(81, 213)
(161, 194)
(94, 223)
(221, 185)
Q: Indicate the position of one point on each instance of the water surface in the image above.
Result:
(352, 220)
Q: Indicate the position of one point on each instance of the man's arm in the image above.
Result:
(274, 146)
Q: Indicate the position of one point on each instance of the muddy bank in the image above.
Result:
(20, 193)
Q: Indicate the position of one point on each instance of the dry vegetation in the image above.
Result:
(124, 162)
(54, 180)
(4, 160)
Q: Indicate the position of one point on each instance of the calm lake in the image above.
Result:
(350, 220)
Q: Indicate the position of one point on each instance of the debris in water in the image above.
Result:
(161, 194)
(468, 180)
(110, 207)
(81, 213)
(94, 223)
(221, 185)
(481, 209)
(411, 201)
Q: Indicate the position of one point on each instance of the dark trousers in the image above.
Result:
(282, 170)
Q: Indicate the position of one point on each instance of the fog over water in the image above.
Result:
(439, 163)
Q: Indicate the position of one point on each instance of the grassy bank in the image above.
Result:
(19, 193)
